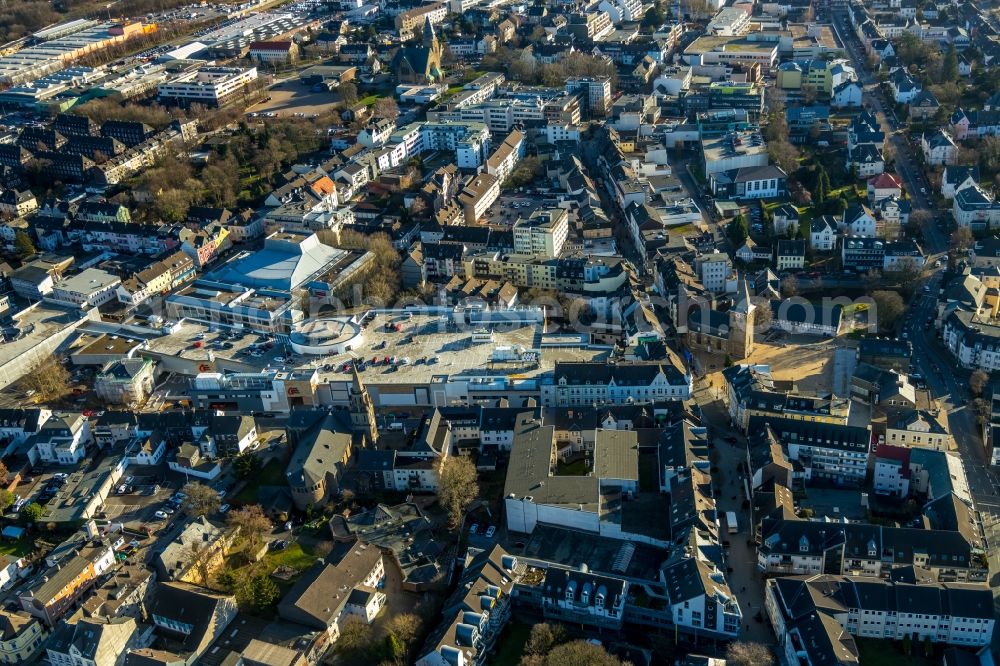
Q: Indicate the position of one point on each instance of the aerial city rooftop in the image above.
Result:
(465, 332)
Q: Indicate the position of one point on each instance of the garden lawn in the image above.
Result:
(273, 474)
(512, 643)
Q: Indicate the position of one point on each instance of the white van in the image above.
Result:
(731, 522)
(395, 425)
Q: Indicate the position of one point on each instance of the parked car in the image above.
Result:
(160, 515)
(491, 531)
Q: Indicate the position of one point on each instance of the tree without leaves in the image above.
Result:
(49, 379)
(406, 628)
(790, 286)
(907, 273)
(201, 500)
(348, 92)
(385, 107)
(544, 637)
(458, 487)
(889, 307)
(252, 523)
(355, 640)
(785, 155)
(918, 218)
(977, 382)
(199, 556)
(743, 653)
(580, 652)
(763, 316)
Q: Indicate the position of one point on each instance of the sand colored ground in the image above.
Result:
(806, 360)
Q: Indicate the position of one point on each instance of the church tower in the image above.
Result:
(362, 408)
(430, 39)
(741, 318)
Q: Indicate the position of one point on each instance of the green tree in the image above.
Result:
(32, 513)
(822, 185)
(23, 245)
(949, 65)
(247, 464)
(654, 17)
(257, 591)
(6, 500)
(738, 230)
(394, 648)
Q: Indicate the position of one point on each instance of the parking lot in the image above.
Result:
(144, 496)
(509, 207)
(293, 98)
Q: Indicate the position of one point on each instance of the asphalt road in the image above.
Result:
(947, 384)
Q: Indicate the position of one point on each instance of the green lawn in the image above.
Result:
(511, 644)
(295, 556)
(273, 474)
(574, 468)
(18, 548)
(875, 652)
(368, 100)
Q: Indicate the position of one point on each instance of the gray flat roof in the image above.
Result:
(616, 455)
(528, 474)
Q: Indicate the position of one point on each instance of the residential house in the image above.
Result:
(904, 87)
(785, 217)
(974, 124)
(957, 178)
(790, 255)
(201, 547)
(62, 439)
(128, 381)
(938, 147)
(320, 598)
(14, 203)
(823, 233)
(826, 612)
(191, 617)
(95, 641)
(883, 186)
(924, 106)
(21, 637)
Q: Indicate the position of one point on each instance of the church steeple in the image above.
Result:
(430, 38)
(362, 408)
